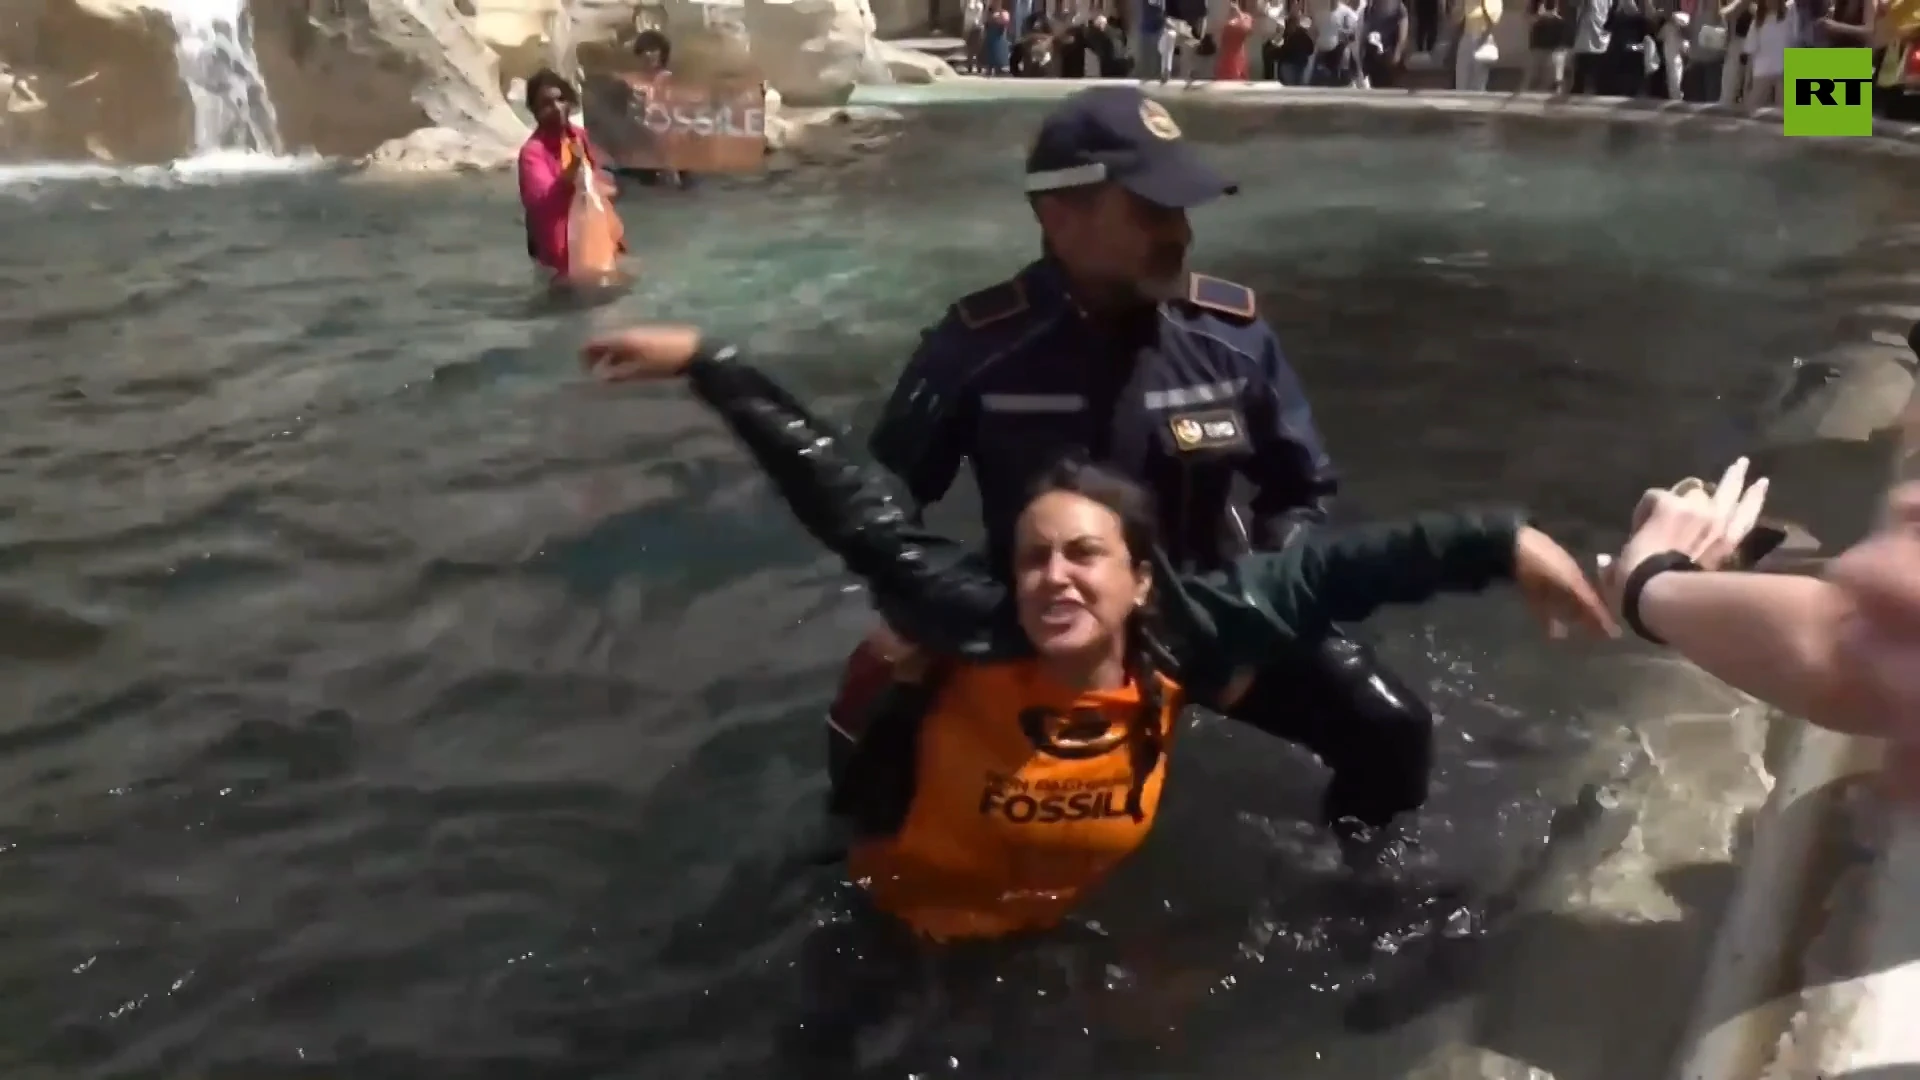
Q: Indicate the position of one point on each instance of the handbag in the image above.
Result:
(1711, 39)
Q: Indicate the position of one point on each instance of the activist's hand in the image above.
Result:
(908, 662)
(1555, 587)
(1704, 526)
(642, 353)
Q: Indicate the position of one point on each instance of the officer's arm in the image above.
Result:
(929, 588)
(1292, 475)
(921, 434)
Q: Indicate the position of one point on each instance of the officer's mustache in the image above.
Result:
(1166, 267)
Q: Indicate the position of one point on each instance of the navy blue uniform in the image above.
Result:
(1183, 398)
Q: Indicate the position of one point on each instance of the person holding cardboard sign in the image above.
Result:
(652, 55)
(572, 229)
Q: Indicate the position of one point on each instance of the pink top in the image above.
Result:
(546, 196)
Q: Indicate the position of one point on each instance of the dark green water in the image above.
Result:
(381, 700)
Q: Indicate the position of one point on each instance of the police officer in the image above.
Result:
(1107, 347)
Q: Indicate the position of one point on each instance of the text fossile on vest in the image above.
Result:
(1052, 801)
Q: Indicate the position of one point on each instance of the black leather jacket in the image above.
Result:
(1211, 625)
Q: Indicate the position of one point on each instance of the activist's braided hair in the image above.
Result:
(1139, 529)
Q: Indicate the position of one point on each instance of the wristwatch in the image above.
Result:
(1649, 567)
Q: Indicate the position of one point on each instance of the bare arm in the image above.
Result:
(1862, 31)
(1774, 636)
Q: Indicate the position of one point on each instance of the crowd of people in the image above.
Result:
(1732, 51)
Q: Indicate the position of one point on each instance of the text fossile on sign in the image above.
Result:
(688, 125)
(704, 119)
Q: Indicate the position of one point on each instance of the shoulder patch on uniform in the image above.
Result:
(1220, 296)
(995, 303)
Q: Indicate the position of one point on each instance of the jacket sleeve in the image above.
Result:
(921, 435)
(1346, 574)
(1234, 619)
(928, 588)
(1292, 475)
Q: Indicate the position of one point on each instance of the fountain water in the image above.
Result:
(235, 131)
(232, 113)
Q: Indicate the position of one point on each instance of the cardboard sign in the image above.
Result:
(678, 124)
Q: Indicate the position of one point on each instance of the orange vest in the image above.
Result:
(1019, 807)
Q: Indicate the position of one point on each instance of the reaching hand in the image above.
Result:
(1704, 525)
(1556, 588)
(642, 353)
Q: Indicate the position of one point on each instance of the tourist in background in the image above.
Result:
(1768, 40)
(1070, 51)
(1477, 53)
(973, 29)
(1288, 50)
(1272, 16)
(997, 39)
(1104, 42)
(1333, 61)
(1591, 37)
(1100, 50)
(1675, 43)
(1737, 17)
(1547, 41)
(1386, 25)
(1196, 49)
(1230, 65)
(1173, 48)
(1426, 26)
(1838, 24)
(1629, 38)
(1033, 51)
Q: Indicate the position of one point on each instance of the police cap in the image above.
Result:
(1120, 135)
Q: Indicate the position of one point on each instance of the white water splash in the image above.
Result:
(214, 48)
(28, 179)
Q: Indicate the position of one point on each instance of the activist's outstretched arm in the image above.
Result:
(1216, 624)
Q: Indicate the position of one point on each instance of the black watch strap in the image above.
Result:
(1649, 567)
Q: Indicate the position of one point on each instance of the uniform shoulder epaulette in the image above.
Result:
(1220, 296)
(995, 303)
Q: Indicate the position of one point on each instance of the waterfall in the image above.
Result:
(214, 48)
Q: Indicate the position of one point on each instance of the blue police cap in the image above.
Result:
(1116, 134)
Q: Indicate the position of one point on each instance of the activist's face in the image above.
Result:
(650, 61)
(549, 107)
(1076, 580)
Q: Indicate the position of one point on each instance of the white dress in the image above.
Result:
(1767, 45)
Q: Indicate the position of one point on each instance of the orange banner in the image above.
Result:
(668, 123)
